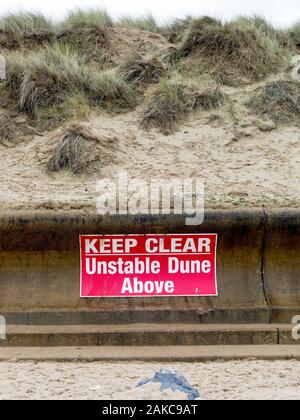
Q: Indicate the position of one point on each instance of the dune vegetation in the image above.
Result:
(7, 130)
(279, 100)
(139, 69)
(145, 23)
(172, 100)
(295, 34)
(24, 30)
(72, 150)
(58, 72)
(48, 76)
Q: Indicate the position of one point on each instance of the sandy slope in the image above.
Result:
(259, 168)
(231, 380)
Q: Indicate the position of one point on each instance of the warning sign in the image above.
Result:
(148, 265)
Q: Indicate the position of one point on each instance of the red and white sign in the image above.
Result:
(148, 265)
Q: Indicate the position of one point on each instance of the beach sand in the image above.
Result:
(236, 380)
(257, 169)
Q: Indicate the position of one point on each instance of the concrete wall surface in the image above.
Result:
(258, 268)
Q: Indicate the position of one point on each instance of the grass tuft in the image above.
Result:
(279, 100)
(237, 46)
(73, 150)
(174, 31)
(92, 18)
(256, 22)
(7, 130)
(25, 30)
(15, 68)
(88, 33)
(276, 39)
(295, 34)
(46, 78)
(139, 69)
(174, 99)
(195, 32)
(145, 23)
(110, 91)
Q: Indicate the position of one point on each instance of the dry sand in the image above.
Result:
(258, 168)
(218, 380)
(241, 163)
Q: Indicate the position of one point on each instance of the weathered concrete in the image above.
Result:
(144, 335)
(258, 269)
(282, 264)
(167, 354)
(133, 316)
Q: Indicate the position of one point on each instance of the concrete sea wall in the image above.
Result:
(258, 268)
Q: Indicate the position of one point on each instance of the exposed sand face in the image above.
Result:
(258, 168)
(96, 381)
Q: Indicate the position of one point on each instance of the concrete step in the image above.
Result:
(171, 315)
(165, 354)
(147, 335)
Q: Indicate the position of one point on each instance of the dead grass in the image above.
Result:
(175, 30)
(73, 150)
(175, 99)
(7, 130)
(279, 100)
(139, 69)
(91, 43)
